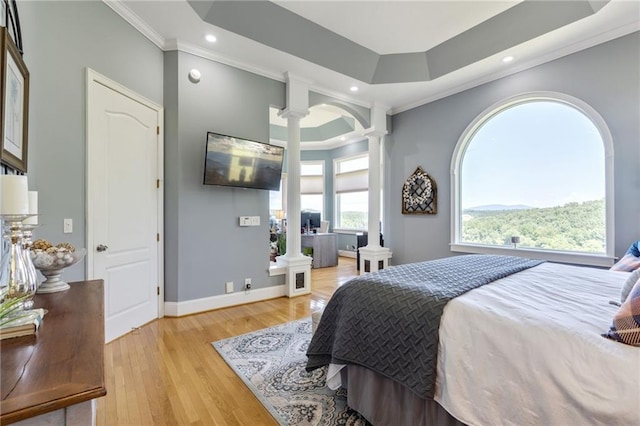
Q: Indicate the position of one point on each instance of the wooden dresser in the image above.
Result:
(56, 373)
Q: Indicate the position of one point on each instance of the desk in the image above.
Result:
(325, 249)
(57, 372)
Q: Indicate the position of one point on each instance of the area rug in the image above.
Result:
(271, 362)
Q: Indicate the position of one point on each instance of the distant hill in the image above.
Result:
(494, 207)
(573, 226)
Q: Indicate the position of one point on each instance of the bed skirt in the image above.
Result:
(385, 402)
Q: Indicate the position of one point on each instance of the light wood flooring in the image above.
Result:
(167, 372)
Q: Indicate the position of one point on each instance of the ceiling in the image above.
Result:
(400, 54)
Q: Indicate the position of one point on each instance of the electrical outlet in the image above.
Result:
(229, 287)
(247, 283)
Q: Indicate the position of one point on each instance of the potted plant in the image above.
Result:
(282, 243)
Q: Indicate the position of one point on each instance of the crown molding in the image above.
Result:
(206, 54)
(336, 142)
(136, 22)
(550, 56)
(172, 44)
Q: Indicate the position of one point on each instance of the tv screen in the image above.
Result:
(242, 163)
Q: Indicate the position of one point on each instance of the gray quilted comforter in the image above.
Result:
(388, 320)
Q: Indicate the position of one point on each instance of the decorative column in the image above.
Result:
(298, 266)
(293, 181)
(376, 256)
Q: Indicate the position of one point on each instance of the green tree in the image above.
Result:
(572, 227)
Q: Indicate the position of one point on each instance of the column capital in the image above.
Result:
(297, 94)
(293, 113)
(372, 131)
(289, 77)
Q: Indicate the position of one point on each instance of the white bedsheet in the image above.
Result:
(528, 350)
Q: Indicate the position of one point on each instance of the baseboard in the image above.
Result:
(188, 307)
(347, 253)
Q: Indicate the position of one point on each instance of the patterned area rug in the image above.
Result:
(272, 362)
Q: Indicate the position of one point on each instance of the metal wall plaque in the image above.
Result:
(419, 194)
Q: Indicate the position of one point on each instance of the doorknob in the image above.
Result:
(101, 247)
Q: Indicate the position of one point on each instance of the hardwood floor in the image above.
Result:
(167, 372)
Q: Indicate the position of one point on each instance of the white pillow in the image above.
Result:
(628, 285)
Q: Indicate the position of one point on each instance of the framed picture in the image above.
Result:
(14, 105)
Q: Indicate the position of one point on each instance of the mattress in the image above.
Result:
(527, 350)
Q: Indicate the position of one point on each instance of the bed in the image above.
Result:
(524, 349)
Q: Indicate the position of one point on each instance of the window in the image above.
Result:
(278, 204)
(352, 196)
(312, 186)
(533, 174)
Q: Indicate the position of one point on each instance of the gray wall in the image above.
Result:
(607, 77)
(60, 40)
(205, 246)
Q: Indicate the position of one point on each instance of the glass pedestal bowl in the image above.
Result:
(52, 265)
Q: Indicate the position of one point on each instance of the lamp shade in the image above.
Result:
(14, 194)
(33, 209)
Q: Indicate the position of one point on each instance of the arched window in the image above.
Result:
(533, 176)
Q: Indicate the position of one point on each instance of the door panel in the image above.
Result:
(123, 206)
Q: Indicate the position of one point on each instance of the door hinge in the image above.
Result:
(157, 130)
(158, 290)
(157, 183)
(158, 237)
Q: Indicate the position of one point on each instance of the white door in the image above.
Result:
(123, 203)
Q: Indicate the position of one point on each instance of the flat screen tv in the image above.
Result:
(242, 163)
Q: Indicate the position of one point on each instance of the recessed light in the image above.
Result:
(354, 88)
(210, 38)
(343, 139)
(507, 59)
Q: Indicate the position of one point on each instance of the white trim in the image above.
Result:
(167, 45)
(136, 22)
(160, 169)
(188, 307)
(277, 269)
(194, 50)
(552, 256)
(351, 157)
(540, 60)
(348, 253)
(348, 231)
(498, 107)
(93, 76)
(336, 142)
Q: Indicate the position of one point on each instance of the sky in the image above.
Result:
(540, 154)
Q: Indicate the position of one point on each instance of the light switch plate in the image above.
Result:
(67, 226)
